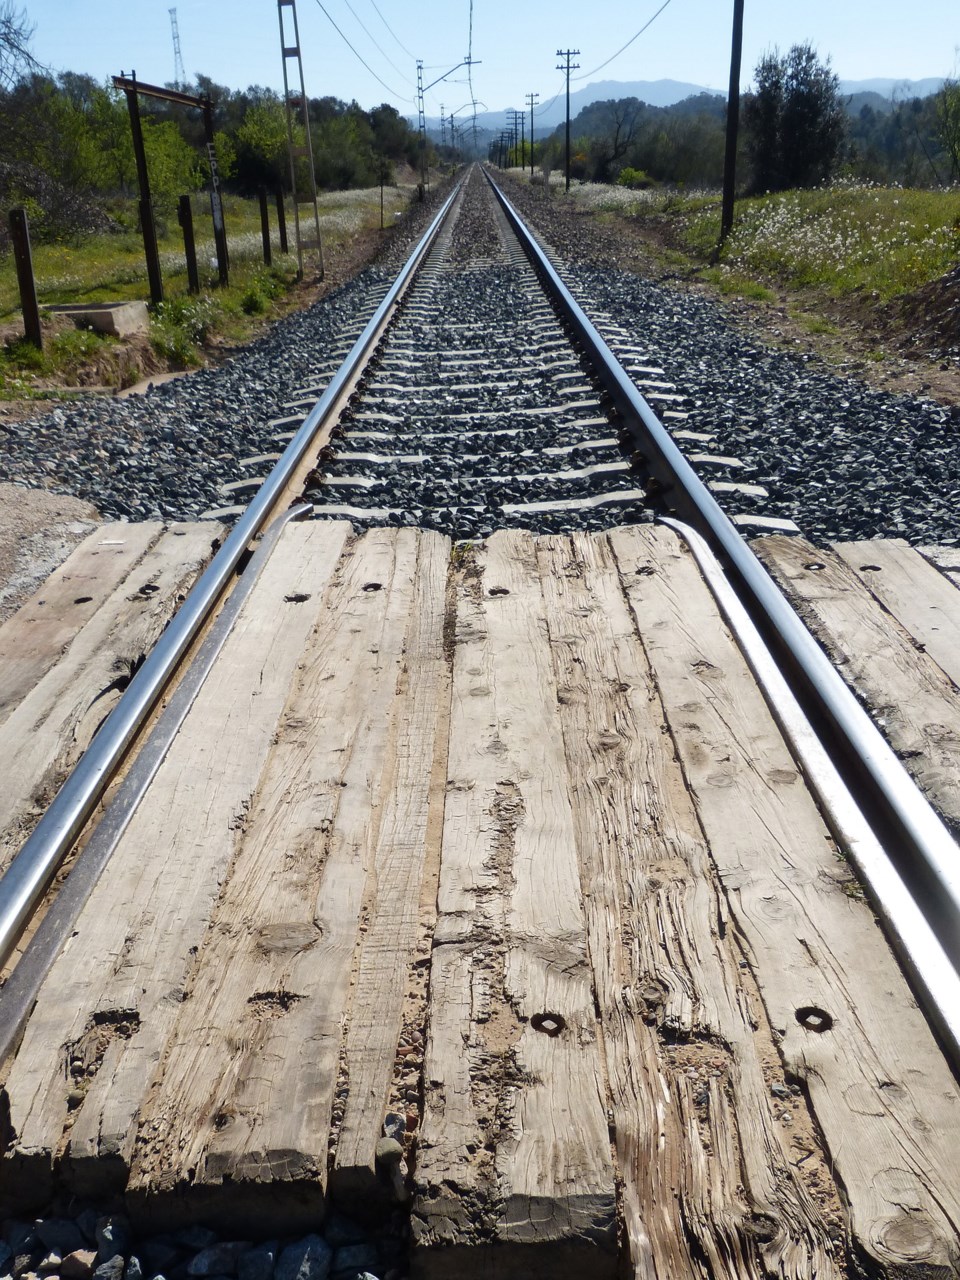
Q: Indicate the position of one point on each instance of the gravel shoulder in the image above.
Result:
(38, 530)
(905, 347)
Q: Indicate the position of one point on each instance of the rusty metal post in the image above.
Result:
(185, 218)
(147, 225)
(282, 222)
(20, 234)
(216, 200)
(265, 225)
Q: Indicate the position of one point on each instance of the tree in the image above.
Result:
(948, 123)
(795, 120)
(15, 55)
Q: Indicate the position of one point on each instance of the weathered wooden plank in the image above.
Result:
(923, 601)
(913, 700)
(49, 730)
(847, 1026)
(406, 855)
(33, 639)
(514, 1173)
(116, 990)
(708, 1167)
(944, 558)
(240, 1112)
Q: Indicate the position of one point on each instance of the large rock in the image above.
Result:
(307, 1259)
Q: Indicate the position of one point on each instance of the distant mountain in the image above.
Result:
(656, 93)
(897, 89)
(879, 94)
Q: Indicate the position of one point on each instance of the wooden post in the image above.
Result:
(147, 227)
(216, 200)
(265, 225)
(20, 234)
(185, 218)
(282, 221)
(733, 123)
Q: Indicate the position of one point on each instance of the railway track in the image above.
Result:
(478, 399)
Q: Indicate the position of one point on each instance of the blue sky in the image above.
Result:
(236, 42)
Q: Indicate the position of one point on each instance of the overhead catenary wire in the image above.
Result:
(372, 39)
(623, 47)
(392, 32)
(359, 57)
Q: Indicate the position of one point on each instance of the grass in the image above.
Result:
(879, 241)
(850, 238)
(111, 268)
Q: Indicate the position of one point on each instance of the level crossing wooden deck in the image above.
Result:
(497, 849)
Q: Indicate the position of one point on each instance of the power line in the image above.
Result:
(391, 30)
(586, 74)
(323, 10)
(548, 105)
(370, 37)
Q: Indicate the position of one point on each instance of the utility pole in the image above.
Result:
(422, 130)
(531, 99)
(733, 123)
(443, 128)
(568, 54)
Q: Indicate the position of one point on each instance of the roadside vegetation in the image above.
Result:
(184, 328)
(838, 199)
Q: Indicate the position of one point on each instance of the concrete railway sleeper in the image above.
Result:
(467, 895)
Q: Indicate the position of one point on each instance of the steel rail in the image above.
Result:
(921, 847)
(31, 871)
(19, 992)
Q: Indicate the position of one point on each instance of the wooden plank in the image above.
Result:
(514, 1173)
(114, 995)
(708, 1167)
(244, 1143)
(944, 558)
(923, 601)
(405, 863)
(34, 638)
(51, 727)
(848, 1029)
(913, 701)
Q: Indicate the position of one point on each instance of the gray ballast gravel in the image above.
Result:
(842, 460)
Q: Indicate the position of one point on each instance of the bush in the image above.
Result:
(636, 179)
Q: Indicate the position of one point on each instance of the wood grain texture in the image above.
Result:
(865, 629)
(407, 804)
(51, 727)
(923, 601)
(240, 1113)
(35, 637)
(514, 1173)
(117, 989)
(709, 1169)
(883, 1096)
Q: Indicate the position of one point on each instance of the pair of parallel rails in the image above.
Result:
(904, 854)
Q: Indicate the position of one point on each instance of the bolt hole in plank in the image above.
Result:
(815, 566)
(373, 586)
(297, 597)
(814, 1019)
(498, 591)
(551, 1024)
(80, 600)
(869, 568)
(149, 589)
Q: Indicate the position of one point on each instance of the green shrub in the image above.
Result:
(635, 179)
